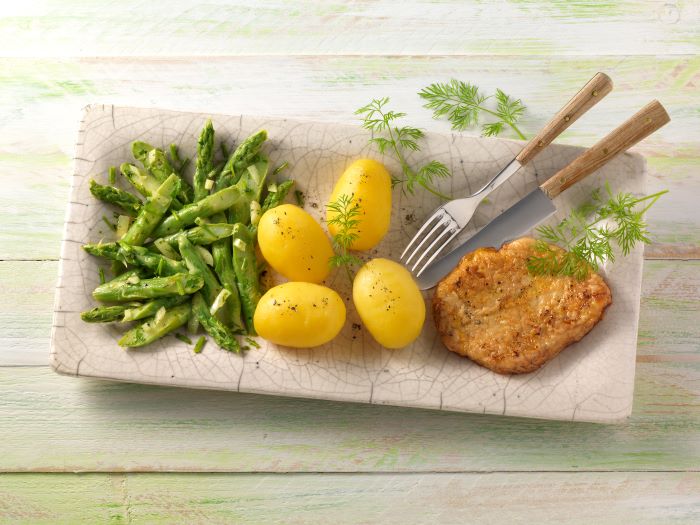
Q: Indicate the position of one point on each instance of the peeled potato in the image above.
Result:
(389, 302)
(369, 184)
(299, 314)
(294, 244)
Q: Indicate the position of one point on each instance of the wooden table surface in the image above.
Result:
(76, 450)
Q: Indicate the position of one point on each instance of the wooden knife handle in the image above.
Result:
(642, 124)
(592, 93)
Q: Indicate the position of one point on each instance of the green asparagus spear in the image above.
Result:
(178, 284)
(250, 185)
(145, 183)
(215, 328)
(134, 275)
(104, 314)
(219, 201)
(152, 212)
(157, 164)
(137, 256)
(246, 267)
(274, 199)
(204, 234)
(151, 307)
(240, 158)
(157, 326)
(223, 265)
(120, 198)
(197, 266)
(205, 155)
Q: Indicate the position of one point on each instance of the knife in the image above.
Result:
(537, 205)
(445, 223)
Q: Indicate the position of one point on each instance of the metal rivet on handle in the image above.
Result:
(648, 121)
(605, 151)
(595, 92)
(567, 118)
(540, 143)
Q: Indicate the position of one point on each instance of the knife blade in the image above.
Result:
(537, 205)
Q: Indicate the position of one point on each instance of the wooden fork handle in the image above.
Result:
(639, 126)
(592, 93)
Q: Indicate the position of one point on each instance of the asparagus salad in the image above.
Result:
(185, 255)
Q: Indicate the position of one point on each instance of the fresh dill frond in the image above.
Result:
(346, 218)
(462, 103)
(400, 141)
(587, 243)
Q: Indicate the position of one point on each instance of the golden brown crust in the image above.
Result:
(492, 310)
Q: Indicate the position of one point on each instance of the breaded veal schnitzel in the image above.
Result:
(493, 311)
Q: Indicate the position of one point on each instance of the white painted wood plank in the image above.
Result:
(498, 27)
(40, 102)
(602, 498)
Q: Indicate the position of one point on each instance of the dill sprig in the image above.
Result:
(346, 219)
(462, 103)
(401, 140)
(587, 242)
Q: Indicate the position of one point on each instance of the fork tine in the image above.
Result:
(438, 214)
(449, 228)
(438, 252)
(443, 222)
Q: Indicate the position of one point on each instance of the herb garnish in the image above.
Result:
(462, 102)
(346, 219)
(587, 242)
(401, 141)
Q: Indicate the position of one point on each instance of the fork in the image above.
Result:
(451, 218)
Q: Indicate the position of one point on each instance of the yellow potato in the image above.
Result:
(294, 244)
(389, 302)
(301, 315)
(369, 184)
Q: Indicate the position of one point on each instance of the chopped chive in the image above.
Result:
(252, 342)
(174, 153)
(111, 226)
(280, 168)
(300, 197)
(183, 338)
(112, 174)
(199, 345)
(102, 276)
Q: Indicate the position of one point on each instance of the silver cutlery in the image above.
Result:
(451, 218)
(537, 205)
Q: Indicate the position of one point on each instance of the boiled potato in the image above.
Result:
(389, 302)
(298, 314)
(369, 184)
(294, 244)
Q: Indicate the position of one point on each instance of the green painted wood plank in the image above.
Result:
(137, 27)
(26, 311)
(582, 498)
(53, 422)
(40, 103)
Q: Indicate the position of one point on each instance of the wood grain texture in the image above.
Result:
(40, 103)
(211, 58)
(60, 423)
(75, 28)
(602, 498)
(591, 94)
(643, 123)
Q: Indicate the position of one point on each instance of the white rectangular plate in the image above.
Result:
(590, 381)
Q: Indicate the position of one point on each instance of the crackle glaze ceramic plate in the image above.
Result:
(589, 381)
